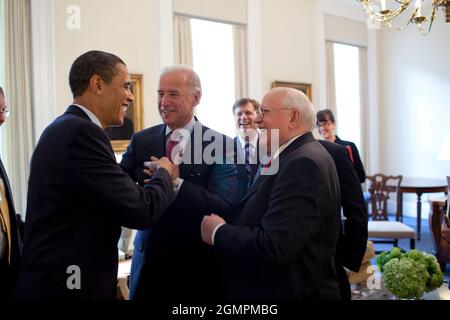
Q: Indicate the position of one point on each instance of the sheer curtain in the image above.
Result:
(182, 40)
(364, 106)
(240, 60)
(331, 86)
(18, 131)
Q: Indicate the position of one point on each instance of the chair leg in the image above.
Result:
(412, 243)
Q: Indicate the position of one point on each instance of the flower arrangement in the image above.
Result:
(409, 275)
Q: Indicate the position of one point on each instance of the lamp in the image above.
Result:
(386, 10)
(445, 150)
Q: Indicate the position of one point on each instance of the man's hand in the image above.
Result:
(209, 223)
(165, 163)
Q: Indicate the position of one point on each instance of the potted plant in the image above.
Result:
(408, 275)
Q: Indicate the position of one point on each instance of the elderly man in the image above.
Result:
(9, 234)
(282, 244)
(78, 196)
(170, 261)
(246, 142)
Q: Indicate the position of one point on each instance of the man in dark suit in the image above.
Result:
(10, 242)
(352, 241)
(246, 142)
(170, 261)
(78, 196)
(283, 241)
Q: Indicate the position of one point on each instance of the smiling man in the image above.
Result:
(246, 142)
(170, 259)
(79, 197)
(282, 240)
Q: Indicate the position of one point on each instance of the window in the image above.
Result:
(213, 60)
(347, 79)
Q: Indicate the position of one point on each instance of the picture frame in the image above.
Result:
(306, 88)
(133, 122)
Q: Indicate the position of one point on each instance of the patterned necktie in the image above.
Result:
(248, 167)
(170, 146)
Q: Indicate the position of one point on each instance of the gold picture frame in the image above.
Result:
(306, 88)
(133, 122)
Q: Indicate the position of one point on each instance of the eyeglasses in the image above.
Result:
(261, 112)
(5, 111)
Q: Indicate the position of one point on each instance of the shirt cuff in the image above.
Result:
(177, 185)
(349, 272)
(214, 232)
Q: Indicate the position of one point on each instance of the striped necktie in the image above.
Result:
(248, 167)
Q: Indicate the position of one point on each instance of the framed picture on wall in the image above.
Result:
(133, 121)
(304, 87)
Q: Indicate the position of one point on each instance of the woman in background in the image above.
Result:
(327, 127)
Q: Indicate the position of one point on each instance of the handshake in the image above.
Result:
(152, 166)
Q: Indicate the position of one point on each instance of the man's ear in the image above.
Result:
(197, 97)
(96, 84)
(295, 118)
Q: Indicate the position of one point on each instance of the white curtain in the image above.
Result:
(182, 40)
(18, 91)
(331, 86)
(240, 60)
(364, 107)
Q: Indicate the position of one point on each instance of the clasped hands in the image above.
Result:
(152, 166)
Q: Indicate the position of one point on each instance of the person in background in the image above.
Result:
(10, 240)
(327, 127)
(353, 235)
(78, 196)
(170, 261)
(281, 246)
(246, 142)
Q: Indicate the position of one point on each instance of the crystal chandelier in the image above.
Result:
(423, 12)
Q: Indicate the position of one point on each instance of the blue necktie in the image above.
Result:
(248, 167)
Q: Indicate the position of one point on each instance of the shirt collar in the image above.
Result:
(189, 126)
(91, 116)
(284, 146)
(252, 142)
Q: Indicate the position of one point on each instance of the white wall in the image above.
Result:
(415, 100)
(287, 39)
(127, 29)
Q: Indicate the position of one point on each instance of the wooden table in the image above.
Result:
(420, 186)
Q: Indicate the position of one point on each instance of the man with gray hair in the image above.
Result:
(281, 246)
(170, 259)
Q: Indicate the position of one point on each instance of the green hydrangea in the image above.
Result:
(409, 275)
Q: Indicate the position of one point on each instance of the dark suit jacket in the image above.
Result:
(244, 179)
(78, 197)
(282, 243)
(353, 236)
(356, 158)
(9, 271)
(171, 259)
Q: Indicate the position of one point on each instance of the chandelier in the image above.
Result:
(422, 14)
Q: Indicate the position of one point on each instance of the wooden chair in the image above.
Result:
(382, 188)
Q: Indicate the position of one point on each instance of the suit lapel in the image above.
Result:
(4, 176)
(77, 111)
(189, 157)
